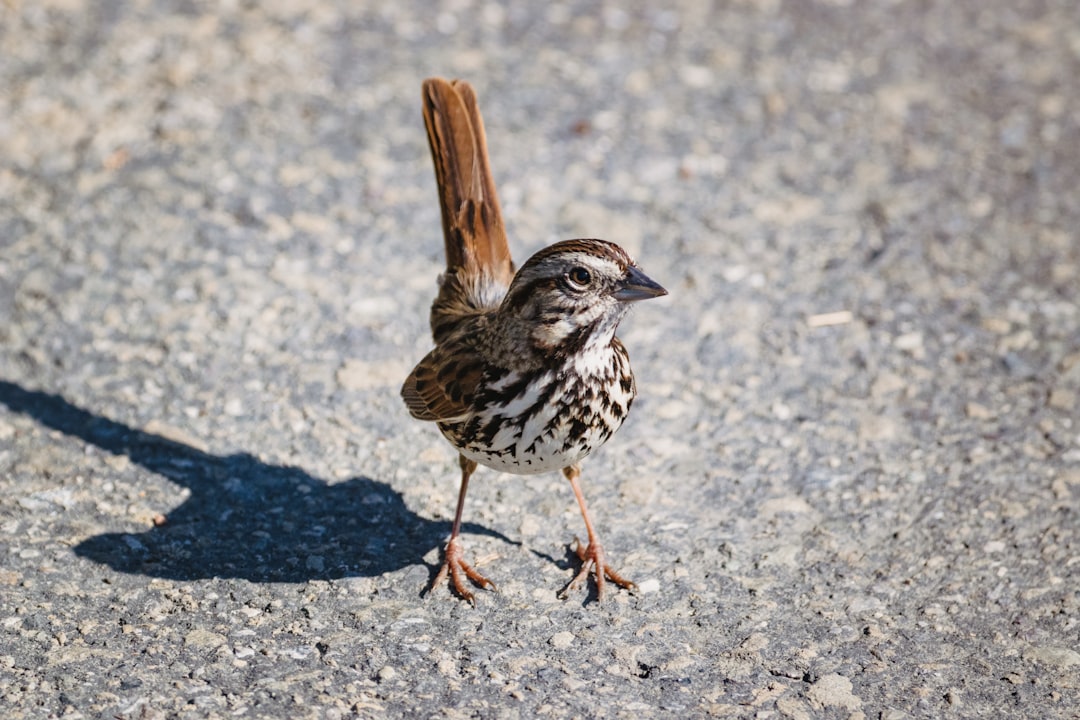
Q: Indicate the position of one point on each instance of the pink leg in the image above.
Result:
(592, 556)
(453, 562)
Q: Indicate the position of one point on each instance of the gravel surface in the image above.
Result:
(849, 488)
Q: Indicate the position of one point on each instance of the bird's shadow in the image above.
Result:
(244, 518)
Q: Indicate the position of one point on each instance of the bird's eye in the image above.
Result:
(579, 277)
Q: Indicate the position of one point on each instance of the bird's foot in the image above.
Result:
(592, 559)
(455, 566)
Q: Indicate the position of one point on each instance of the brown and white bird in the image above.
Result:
(527, 375)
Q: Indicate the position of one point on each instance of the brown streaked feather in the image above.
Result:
(442, 386)
(473, 230)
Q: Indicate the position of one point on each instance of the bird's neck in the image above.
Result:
(523, 344)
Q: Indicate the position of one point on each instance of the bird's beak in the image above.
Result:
(636, 285)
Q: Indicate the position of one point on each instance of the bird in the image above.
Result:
(527, 375)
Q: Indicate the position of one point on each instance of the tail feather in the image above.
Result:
(473, 230)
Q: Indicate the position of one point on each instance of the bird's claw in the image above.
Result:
(455, 566)
(592, 559)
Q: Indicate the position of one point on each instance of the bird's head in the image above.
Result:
(574, 293)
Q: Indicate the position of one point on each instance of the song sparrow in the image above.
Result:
(527, 375)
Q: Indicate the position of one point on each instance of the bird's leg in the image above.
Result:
(592, 555)
(453, 562)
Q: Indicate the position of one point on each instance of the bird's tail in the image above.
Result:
(479, 267)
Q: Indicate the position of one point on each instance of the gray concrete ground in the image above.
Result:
(849, 488)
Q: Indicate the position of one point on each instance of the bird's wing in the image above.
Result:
(443, 385)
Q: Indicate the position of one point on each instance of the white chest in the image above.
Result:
(551, 423)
